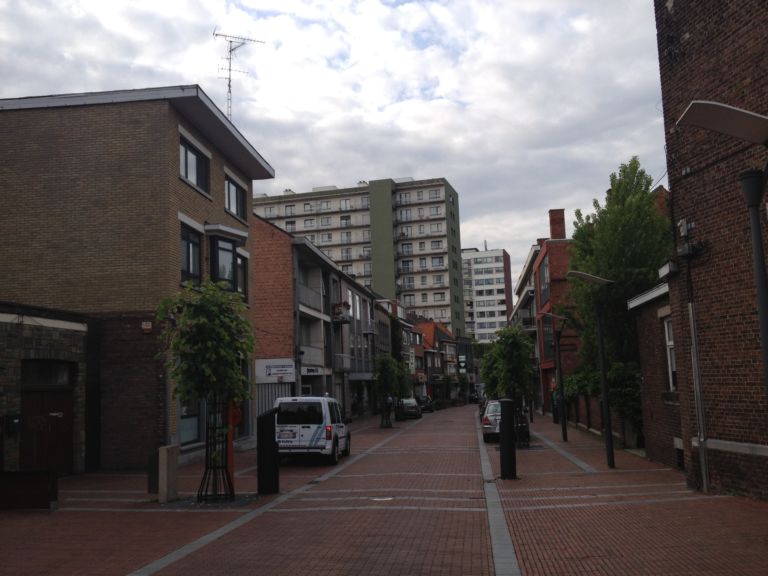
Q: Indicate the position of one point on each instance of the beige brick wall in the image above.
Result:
(90, 202)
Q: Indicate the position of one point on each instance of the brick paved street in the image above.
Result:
(411, 500)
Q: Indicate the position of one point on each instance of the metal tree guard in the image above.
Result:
(217, 483)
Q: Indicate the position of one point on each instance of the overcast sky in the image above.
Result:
(522, 105)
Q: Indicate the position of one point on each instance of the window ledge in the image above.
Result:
(671, 398)
(236, 217)
(196, 188)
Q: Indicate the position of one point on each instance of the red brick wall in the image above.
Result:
(557, 224)
(715, 50)
(661, 407)
(557, 251)
(272, 290)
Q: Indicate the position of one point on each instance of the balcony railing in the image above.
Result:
(310, 297)
(312, 355)
(342, 362)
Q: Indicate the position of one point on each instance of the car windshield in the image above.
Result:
(300, 413)
(409, 402)
(493, 408)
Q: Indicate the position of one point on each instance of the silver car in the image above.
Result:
(491, 420)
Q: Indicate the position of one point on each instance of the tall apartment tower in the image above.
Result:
(400, 238)
(487, 292)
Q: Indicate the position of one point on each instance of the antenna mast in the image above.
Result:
(233, 43)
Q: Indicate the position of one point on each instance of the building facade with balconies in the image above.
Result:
(523, 315)
(315, 333)
(487, 292)
(400, 238)
(551, 293)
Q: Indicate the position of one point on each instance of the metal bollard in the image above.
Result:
(507, 440)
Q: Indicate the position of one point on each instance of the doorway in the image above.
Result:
(47, 436)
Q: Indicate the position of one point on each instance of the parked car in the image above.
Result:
(425, 403)
(492, 425)
(491, 420)
(407, 408)
(312, 425)
(481, 406)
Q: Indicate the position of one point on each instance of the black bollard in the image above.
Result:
(267, 454)
(507, 440)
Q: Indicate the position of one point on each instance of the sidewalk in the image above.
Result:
(576, 516)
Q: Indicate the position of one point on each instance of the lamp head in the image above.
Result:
(752, 186)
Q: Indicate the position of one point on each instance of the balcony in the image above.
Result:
(312, 355)
(341, 313)
(310, 297)
(342, 362)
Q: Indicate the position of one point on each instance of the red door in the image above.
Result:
(47, 432)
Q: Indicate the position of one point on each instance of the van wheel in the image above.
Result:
(348, 449)
(334, 457)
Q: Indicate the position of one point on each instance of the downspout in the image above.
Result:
(296, 386)
(689, 251)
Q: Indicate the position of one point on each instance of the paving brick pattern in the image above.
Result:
(410, 500)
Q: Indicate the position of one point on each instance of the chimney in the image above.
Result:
(557, 224)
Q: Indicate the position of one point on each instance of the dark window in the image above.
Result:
(300, 413)
(548, 351)
(190, 255)
(190, 425)
(234, 198)
(223, 269)
(544, 280)
(193, 165)
(241, 276)
(228, 266)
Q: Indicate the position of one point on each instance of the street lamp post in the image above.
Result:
(559, 369)
(598, 281)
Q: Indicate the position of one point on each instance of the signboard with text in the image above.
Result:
(275, 370)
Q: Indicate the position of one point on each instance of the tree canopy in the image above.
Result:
(506, 365)
(626, 240)
(390, 377)
(208, 340)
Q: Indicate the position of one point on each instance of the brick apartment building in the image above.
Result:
(440, 349)
(315, 329)
(715, 51)
(110, 201)
(523, 315)
(551, 292)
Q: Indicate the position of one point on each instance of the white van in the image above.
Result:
(312, 425)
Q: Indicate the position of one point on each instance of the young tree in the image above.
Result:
(208, 340)
(625, 240)
(506, 367)
(389, 383)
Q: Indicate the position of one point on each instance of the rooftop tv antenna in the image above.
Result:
(233, 43)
